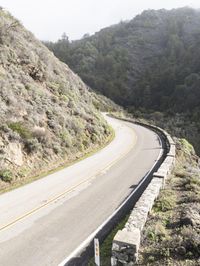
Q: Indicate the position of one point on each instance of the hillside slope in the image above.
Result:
(172, 232)
(47, 114)
(150, 63)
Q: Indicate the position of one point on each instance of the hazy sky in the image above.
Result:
(48, 19)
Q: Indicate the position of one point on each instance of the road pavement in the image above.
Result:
(43, 222)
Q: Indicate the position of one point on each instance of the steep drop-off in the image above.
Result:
(47, 114)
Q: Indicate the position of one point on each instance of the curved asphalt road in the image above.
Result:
(43, 222)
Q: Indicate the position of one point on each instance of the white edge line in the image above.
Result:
(85, 243)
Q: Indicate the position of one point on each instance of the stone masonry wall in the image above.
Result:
(126, 242)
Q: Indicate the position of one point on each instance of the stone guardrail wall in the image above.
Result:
(126, 242)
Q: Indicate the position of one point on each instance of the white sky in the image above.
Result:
(48, 19)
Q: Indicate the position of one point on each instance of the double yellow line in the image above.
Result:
(67, 191)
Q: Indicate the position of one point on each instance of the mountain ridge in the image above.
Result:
(149, 64)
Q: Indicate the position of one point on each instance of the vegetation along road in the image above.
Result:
(54, 215)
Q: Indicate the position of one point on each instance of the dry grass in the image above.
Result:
(172, 232)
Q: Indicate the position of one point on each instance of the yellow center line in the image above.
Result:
(67, 191)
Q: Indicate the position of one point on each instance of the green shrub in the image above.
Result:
(164, 252)
(188, 148)
(157, 232)
(66, 138)
(64, 98)
(180, 173)
(21, 129)
(6, 175)
(151, 235)
(57, 149)
(4, 128)
(185, 244)
(85, 143)
(191, 240)
(23, 172)
(193, 196)
(192, 183)
(151, 259)
(166, 202)
(32, 145)
(94, 138)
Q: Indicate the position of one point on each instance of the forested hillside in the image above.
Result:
(148, 64)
